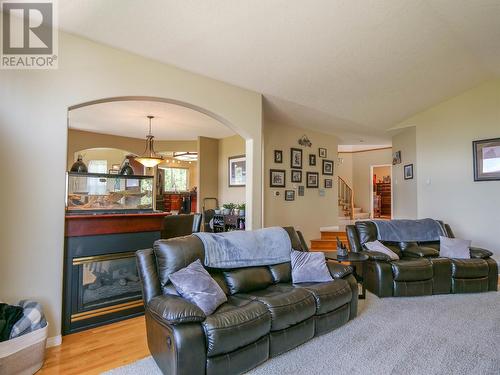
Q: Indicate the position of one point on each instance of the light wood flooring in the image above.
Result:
(99, 349)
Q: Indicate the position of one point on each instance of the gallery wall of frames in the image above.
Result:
(305, 167)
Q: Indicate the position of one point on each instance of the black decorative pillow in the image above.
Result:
(196, 285)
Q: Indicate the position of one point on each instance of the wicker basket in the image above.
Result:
(25, 354)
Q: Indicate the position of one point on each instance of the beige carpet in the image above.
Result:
(447, 334)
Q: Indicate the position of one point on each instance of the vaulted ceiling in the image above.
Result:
(354, 68)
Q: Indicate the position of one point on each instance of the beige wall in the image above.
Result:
(344, 170)
(208, 170)
(310, 212)
(445, 185)
(33, 126)
(356, 171)
(82, 140)
(230, 146)
(405, 191)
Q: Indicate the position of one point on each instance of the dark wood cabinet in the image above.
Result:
(383, 190)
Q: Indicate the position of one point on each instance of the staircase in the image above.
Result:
(328, 240)
(348, 213)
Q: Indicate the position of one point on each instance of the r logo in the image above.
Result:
(27, 28)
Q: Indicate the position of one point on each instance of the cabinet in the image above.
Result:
(383, 190)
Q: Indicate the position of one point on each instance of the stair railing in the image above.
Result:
(346, 197)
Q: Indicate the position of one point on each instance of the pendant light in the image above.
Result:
(149, 158)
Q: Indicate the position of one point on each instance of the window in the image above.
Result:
(176, 179)
(96, 186)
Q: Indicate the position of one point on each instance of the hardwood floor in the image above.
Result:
(99, 349)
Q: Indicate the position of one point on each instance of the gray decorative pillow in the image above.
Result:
(309, 267)
(196, 285)
(381, 248)
(454, 248)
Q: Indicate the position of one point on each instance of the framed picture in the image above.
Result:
(277, 178)
(328, 167)
(296, 176)
(237, 171)
(486, 154)
(396, 158)
(301, 190)
(312, 179)
(408, 171)
(322, 152)
(312, 160)
(289, 195)
(295, 158)
(278, 156)
(328, 183)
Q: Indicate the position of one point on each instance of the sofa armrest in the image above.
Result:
(477, 252)
(175, 310)
(337, 270)
(375, 255)
(421, 252)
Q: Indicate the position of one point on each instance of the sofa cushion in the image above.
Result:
(235, 324)
(477, 252)
(309, 267)
(469, 268)
(421, 252)
(282, 273)
(367, 231)
(329, 296)
(412, 270)
(243, 280)
(196, 285)
(288, 305)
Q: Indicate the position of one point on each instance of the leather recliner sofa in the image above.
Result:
(420, 270)
(264, 316)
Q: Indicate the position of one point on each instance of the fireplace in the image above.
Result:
(101, 282)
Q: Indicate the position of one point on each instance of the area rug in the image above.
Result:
(446, 334)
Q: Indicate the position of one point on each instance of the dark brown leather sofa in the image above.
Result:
(264, 316)
(420, 270)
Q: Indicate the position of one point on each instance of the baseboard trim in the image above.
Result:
(54, 341)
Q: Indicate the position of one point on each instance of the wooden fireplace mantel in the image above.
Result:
(91, 225)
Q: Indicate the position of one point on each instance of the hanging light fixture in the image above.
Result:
(186, 156)
(150, 158)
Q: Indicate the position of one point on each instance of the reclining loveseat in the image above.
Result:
(420, 270)
(264, 316)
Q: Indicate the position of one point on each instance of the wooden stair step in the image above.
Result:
(331, 235)
(319, 244)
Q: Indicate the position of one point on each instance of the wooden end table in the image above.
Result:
(356, 261)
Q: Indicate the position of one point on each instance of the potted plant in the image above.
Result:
(242, 209)
(227, 207)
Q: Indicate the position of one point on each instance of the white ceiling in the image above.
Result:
(128, 119)
(349, 67)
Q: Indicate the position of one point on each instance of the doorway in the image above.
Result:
(381, 191)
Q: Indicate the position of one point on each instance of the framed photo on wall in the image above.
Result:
(312, 160)
(312, 179)
(396, 158)
(486, 154)
(237, 171)
(328, 183)
(277, 178)
(278, 156)
(327, 167)
(322, 153)
(301, 190)
(408, 171)
(296, 158)
(289, 195)
(296, 176)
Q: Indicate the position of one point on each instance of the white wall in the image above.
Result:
(33, 129)
(445, 186)
(405, 191)
(312, 211)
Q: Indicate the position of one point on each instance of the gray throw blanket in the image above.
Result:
(421, 230)
(246, 248)
(31, 320)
